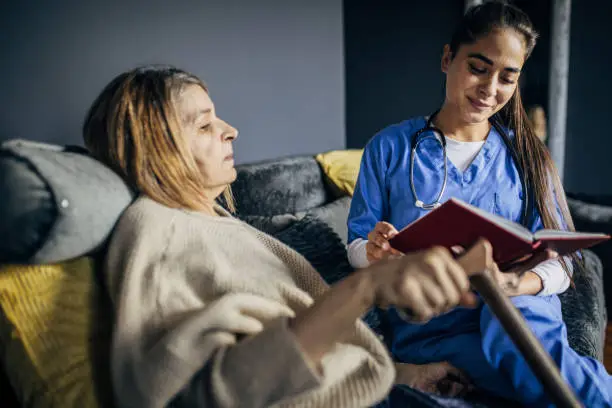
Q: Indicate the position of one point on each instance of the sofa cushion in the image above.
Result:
(584, 309)
(283, 186)
(270, 224)
(341, 168)
(334, 214)
(55, 330)
(594, 214)
(57, 203)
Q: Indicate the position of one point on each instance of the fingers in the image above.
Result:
(247, 313)
(432, 283)
(262, 309)
(243, 324)
(450, 388)
(455, 373)
(379, 240)
(378, 246)
(381, 234)
(438, 378)
(454, 383)
(375, 252)
(418, 303)
(385, 229)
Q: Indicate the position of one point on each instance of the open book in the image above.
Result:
(457, 223)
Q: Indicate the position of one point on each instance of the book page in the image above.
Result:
(508, 225)
(550, 234)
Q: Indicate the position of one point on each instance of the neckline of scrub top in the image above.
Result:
(482, 160)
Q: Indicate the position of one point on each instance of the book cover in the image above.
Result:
(458, 223)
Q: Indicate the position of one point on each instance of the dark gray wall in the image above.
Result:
(393, 51)
(274, 67)
(588, 155)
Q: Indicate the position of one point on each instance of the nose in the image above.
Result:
(488, 87)
(229, 132)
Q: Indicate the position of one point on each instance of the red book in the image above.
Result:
(457, 223)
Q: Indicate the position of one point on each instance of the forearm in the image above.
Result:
(529, 284)
(333, 315)
(546, 279)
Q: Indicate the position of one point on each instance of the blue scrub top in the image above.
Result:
(382, 193)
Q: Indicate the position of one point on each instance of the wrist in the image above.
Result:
(372, 284)
(363, 284)
(333, 315)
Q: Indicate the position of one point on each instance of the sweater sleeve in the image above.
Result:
(256, 372)
(170, 344)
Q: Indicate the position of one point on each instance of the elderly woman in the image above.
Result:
(211, 312)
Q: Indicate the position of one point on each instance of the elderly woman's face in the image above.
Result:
(210, 137)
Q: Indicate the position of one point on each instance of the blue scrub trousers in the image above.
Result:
(474, 341)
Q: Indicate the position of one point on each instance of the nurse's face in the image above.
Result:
(482, 77)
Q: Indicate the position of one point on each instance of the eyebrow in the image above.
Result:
(490, 62)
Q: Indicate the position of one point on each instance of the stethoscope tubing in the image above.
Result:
(418, 137)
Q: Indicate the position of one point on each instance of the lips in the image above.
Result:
(478, 104)
(229, 157)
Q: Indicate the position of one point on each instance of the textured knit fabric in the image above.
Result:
(170, 272)
(55, 325)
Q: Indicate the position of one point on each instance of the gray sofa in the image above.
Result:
(288, 198)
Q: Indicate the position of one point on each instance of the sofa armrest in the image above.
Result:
(584, 309)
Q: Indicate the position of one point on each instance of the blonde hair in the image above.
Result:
(133, 128)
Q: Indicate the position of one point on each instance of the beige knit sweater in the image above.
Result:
(168, 272)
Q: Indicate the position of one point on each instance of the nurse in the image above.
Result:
(492, 152)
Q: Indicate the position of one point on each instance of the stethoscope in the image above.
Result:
(438, 135)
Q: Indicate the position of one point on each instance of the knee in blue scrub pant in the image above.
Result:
(587, 376)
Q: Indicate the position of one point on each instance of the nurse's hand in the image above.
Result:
(428, 283)
(378, 247)
(518, 279)
(437, 378)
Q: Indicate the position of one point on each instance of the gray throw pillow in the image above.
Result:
(56, 203)
(316, 241)
(270, 224)
(334, 214)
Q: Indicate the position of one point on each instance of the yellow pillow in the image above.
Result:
(55, 325)
(341, 167)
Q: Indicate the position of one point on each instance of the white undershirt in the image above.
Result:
(462, 154)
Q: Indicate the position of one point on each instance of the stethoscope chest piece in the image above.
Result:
(430, 131)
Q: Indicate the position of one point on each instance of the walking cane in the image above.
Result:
(476, 262)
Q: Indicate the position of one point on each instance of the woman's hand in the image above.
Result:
(518, 278)
(427, 283)
(437, 378)
(378, 247)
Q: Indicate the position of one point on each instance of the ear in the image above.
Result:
(446, 58)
